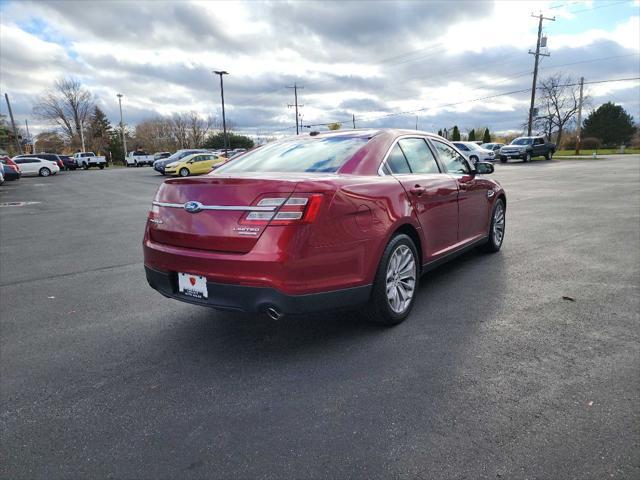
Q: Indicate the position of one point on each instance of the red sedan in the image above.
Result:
(326, 220)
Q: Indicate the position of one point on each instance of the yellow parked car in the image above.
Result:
(194, 164)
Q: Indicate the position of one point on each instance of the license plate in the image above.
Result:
(192, 285)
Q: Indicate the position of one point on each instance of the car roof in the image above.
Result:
(373, 132)
(194, 154)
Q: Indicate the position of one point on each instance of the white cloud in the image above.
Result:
(367, 59)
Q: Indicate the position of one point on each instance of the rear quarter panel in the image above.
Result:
(358, 218)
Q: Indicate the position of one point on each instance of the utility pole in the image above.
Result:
(13, 124)
(124, 141)
(579, 131)
(224, 120)
(416, 122)
(82, 135)
(353, 117)
(535, 68)
(26, 124)
(295, 96)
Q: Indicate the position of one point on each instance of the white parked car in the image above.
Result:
(87, 160)
(474, 152)
(493, 146)
(36, 166)
(138, 158)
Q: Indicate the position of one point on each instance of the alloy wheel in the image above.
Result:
(401, 279)
(498, 224)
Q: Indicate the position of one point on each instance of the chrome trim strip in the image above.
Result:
(237, 208)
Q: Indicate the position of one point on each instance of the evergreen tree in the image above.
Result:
(5, 133)
(100, 131)
(455, 136)
(472, 135)
(487, 136)
(610, 123)
(216, 141)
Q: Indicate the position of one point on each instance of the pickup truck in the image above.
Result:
(87, 160)
(139, 158)
(526, 148)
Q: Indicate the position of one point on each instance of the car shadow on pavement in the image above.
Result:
(465, 290)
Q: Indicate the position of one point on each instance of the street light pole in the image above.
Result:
(124, 141)
(224, 120)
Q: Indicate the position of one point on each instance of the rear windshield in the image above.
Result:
(324, 154)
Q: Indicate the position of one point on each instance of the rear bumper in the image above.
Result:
(223, 296)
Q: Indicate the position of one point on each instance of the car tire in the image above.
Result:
(503, 160)
(44, 172)
(101, 166)
(184, 172)
(85, 166)
(497, 227)
(549, 155)
(382, 309)
(527, 157)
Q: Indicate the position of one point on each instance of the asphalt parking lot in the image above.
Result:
(494, 375)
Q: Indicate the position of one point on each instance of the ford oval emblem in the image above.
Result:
(193, 207)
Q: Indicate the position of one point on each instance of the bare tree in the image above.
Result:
(197, 129)
(68, 105)
(559, 100)
(155, 134)
(49, 142)
(179, 126)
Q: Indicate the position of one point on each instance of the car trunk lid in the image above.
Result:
(215, 223)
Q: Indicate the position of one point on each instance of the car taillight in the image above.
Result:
(297, 209)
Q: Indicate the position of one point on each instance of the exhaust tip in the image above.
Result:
(273, 313)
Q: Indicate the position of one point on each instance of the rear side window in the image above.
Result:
(419, 155)
(322, 154)
(396, 161)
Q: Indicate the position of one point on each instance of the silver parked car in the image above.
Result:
(494, 147)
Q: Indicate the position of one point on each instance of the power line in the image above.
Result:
(487, 97)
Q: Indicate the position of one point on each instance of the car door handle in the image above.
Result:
(417, 190)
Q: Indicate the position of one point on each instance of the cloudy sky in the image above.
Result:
(368, 59)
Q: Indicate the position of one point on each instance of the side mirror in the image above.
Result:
(484, 168)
